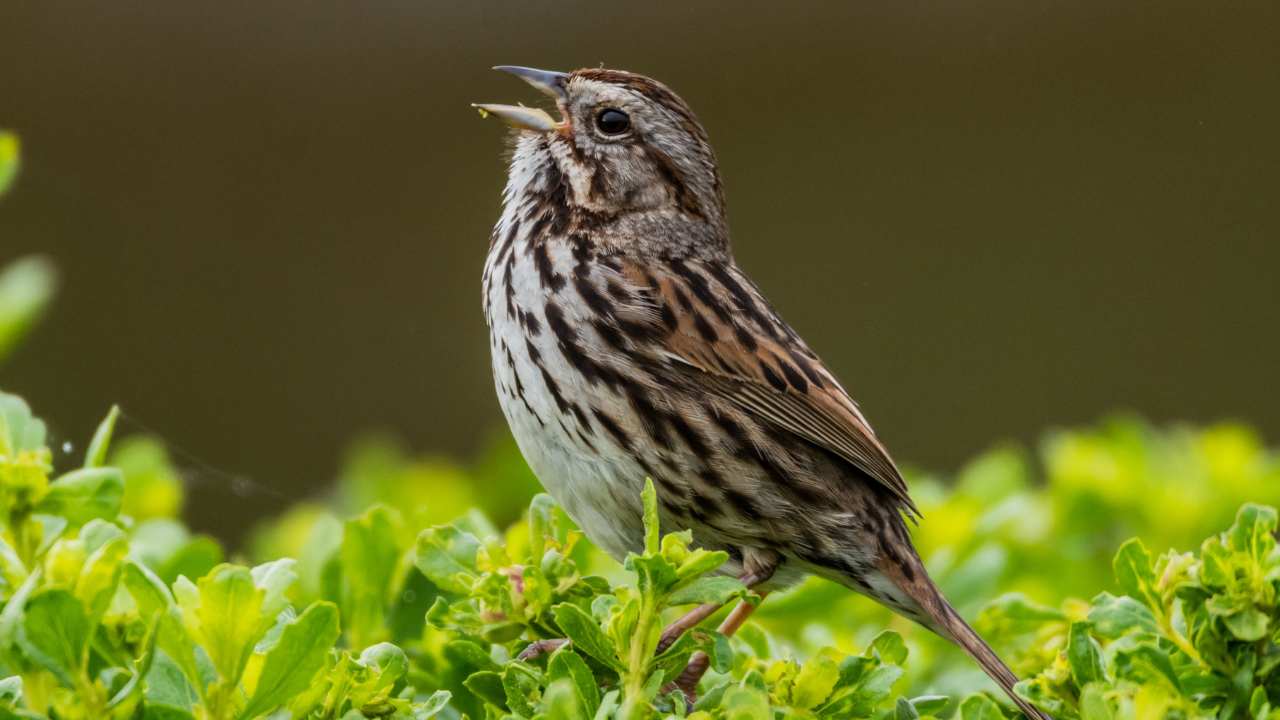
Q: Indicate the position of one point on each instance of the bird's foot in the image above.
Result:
(538, 648)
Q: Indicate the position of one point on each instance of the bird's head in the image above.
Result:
(624, 145)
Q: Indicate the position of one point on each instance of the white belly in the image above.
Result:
(594, 480)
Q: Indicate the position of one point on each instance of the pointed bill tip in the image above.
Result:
(549, 82)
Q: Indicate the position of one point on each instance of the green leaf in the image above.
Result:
(152, 485)
(85, 494)
(100, 577)
(96, 455)
(980, 707)
(905, 710)
(26, 288)
(369, 555)
(520, 685)
(1253, 531)
(227, 619)
(469, 655)
(447, 556)
(1248, 625)
(19, 429)
(1132, 566)
(1113, 616)
(565, 664)
(433, 706)
(1146, 663)
(930, 704)
(167, 684)
(294, 660)
(889, 647)
(1259, 704)
(652, 539)
(586, 635)
(388, 660)
(10, 159)
(745, 703)
(148, 591)
(717, 589)
(562, 702)
(1093, 703)
(55, 634)
(487, 685)
(274, 580)
(1084, 655)
(816, 679)
(194, 558)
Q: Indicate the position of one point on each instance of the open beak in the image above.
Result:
(548, 81)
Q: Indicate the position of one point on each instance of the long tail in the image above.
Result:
(925, 604)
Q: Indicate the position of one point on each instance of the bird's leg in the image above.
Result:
(690, 620)
(699, 662)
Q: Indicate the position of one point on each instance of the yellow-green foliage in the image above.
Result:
(371, 605)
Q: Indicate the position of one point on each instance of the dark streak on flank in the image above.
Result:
(554, 388)
(592, 297)
(610, 334)
(567, 341)
(650, 417)
(611, 426)
(690, 435)
(743, 502)
(547, 274)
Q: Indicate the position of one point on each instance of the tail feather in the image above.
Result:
(955, 629)
(924, 603)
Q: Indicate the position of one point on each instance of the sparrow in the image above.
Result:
(627, 344)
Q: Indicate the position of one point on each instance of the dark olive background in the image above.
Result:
(990, 217)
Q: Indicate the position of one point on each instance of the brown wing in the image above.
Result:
(719, 328)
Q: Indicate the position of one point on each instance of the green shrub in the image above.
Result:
(113, 609)
(101, 620)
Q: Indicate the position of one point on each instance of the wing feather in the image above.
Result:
(742, 363)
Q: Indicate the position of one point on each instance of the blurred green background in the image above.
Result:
(989, 217)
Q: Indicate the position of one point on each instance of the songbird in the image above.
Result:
(628, 344)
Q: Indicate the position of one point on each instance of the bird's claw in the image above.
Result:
(538, 648)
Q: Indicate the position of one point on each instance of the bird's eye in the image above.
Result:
(612, 122)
